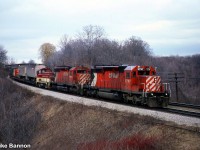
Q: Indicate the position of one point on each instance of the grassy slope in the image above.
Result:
(48, 123)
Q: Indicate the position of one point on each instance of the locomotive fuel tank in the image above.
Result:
(112, 96)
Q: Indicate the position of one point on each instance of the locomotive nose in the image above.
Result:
(152, 84)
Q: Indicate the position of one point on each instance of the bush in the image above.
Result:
(136, 141)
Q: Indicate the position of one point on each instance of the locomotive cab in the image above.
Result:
(45, 77)
(144, 86)
(79, 75)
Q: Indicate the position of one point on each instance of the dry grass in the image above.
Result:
(18, 117)
(48, 123)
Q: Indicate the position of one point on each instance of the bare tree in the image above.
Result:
(66, 53)
(3, 56)
(23, 62)
(31, 61)
(136, 51)
(92, 47)
(91, 33)
(10, 61)
(88, 37)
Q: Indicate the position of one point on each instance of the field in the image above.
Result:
(49, 123)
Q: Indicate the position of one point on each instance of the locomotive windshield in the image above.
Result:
(143, 72)
(81, 71)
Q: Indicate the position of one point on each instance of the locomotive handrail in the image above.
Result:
(167, 88)
(144, 89)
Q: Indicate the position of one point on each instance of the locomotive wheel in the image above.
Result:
(125, 100)
(165, 103)
(133, 102)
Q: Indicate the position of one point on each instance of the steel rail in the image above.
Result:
(184, 105)
(182, 112)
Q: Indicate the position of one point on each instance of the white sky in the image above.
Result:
(171, 27)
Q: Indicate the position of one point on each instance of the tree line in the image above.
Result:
(91, 47)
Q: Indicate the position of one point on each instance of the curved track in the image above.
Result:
(173, 110)
(163, 114)
(182, 112)
(184, 105)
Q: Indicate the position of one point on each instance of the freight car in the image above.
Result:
(29, 71)
(36, 74)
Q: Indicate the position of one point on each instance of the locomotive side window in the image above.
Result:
(128, 75)
(134, 74)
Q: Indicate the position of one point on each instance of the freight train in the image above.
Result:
(133, 84)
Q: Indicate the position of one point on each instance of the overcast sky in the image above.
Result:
(171, 27)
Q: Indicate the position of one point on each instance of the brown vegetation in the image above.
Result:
(48, 123)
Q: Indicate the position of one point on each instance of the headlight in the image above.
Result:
(151, 94)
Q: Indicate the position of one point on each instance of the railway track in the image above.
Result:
(182, 112)
(185, 109)
(191, 120)
(184, 105)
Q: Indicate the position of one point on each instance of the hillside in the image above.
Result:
(49, 123)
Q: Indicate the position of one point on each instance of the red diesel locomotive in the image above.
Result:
(71, 78)
(137, 84)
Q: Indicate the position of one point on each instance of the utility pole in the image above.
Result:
(174, 78)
